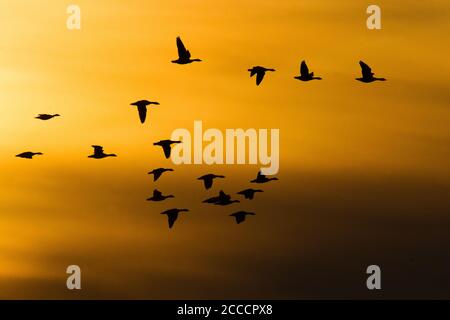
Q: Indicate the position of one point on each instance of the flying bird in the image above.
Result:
(225, 201)
(240, 216)
(367, 74)
(184, 56)
(260, 72)
(158, 196)
(305, 75)
(28, 154)
(44, 116)
(99, 154)
(260, 178)
(221, 197)
(249, 193)
(166, 145)
(142, 108)
(172, 215)
(208, 179)
(158, 172)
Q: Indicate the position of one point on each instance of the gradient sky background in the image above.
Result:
(364, 169)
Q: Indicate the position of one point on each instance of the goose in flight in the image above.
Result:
(240, 216)
(260, 72)
(44, 116)
(225, 201)
(142, 108)
(99, 154)
(158, 196)
(184, 56)
(305, 75)
(166, 145)
(208, 179)
(158, 172)
(28, 154)
(367, 74)
(260, 178)
(172, 215)
(221, 197)
(249, 193)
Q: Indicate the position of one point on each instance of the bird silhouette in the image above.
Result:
(208, 179)
(172, 215)
(240, 216)
(158, 196)
(44, 116)
(28, 154)
(260, 72)
(249, 193)
(225, 201)
(221, 197)
(305, 75)
(166, 145)
(260, 178)
(99, 154)
(158, 172)
(184, 56)
(142, 108)
(367, 74)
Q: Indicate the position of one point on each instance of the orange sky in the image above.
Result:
(363, 168)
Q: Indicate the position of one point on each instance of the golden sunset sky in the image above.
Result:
(364, 168)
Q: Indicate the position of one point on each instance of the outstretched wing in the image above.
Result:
(98, 149)
(208, 182)
(167, 149)
(304, 71)
(223, 196)
(172, 217)
(156, 174)
(259, 77)
(365, 70)
(238, 216)
(157, 193)
(142, 109)
(182, 52)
